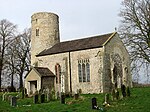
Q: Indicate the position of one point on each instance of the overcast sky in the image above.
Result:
(78, 18)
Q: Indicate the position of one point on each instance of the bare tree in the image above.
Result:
(135, 33)
(22, 44)
(18, 57)
(7, 33)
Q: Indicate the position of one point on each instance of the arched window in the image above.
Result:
(37, 32)
(84, 72)
(88, 72)
(80, 72)
(58, 73)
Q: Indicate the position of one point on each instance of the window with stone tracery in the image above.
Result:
(84, 70)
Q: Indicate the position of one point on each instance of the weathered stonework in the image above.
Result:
(48, 26)
(33, 77)
(108, 59)
(116, 54)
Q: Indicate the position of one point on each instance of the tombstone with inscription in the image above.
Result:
(13, 101)
(94, 103)
(35, 99)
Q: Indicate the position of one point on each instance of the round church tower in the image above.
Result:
(45, 32)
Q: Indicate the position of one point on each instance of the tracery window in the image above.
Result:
(84, 70)
(58, 73)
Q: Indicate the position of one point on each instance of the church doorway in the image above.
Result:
(33, 86)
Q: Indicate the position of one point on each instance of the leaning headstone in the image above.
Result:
(94, 103)
(62, 99)
(35, 99)
(42, 98)
(123, 90)
(13, 101)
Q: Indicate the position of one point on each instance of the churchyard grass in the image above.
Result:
(138, 102)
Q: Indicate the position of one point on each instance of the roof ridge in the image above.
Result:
(82, 38)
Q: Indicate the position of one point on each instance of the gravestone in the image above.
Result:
(35, 99)
(42, 98)
(107, 98)
(94, 103)
(3, 97)
(123, 90)
(113, 94)
(48, 97)
(106, 101)
(62, 99)
(9, 98)
(117, 94)
(58, 95)
(76, 96)
(13, 101)
(128, 91)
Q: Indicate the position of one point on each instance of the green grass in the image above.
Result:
(138, 102)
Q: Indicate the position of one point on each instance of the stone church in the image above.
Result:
(93, 65)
